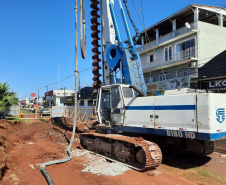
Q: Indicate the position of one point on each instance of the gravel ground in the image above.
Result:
(99, 165)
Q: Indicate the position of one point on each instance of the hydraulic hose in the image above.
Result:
(43, 165)
(46, 175)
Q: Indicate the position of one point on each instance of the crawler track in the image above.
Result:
(136, 153)
(209, 147)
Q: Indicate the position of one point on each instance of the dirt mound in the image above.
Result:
(23, 146)
(4, 123)
(67, 124)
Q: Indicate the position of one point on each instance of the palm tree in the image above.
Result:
(7, 99)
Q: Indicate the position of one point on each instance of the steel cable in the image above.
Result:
(131, 20)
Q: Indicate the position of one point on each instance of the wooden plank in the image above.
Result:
(19, 112)
(58, 113)
(50, 110)
(59, 108)
(71, 108)
(35, 118)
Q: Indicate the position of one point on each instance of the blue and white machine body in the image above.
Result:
(199, 116)
(120, 57)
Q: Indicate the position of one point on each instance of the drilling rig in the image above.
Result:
(131, 126)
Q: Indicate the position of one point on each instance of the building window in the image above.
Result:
(166, 54)
(81, 103)
(155, 78)
(148, 79)
(170, 53)
(151, 57)
(165, 76)
(62, 100)
(161, 77)
(90, 102)
(183, 72)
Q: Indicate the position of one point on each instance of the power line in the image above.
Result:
(66, 78)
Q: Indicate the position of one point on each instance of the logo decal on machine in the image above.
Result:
(220, 115)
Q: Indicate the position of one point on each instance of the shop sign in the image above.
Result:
(174, 83)
(214, 85)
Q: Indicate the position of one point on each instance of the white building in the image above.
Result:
(52, 98)
(173, 50)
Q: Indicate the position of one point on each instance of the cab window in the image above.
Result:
(127, 92)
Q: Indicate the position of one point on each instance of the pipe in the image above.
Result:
(138, 90)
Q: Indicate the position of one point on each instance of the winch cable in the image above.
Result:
(131, 20)
(43, 165)
(82, 29)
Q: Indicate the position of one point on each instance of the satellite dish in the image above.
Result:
(187, 25)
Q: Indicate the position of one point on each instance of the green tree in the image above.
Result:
(7, 99)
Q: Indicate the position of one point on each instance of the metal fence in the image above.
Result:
(83, 114)
(13, 111)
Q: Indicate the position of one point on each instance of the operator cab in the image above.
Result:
(111, 105)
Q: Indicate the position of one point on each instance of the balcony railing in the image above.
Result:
(167, 37)
(187, 54)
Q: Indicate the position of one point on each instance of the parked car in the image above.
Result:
(45, 112)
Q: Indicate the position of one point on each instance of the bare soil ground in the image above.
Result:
(24, 146)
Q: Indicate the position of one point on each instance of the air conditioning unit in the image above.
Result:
(192, 65)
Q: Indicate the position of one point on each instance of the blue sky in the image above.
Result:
(38, 35)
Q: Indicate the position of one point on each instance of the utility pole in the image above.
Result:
(79, 89)
(47, 95)
(76, 67)
(58, 76)
(64, 91)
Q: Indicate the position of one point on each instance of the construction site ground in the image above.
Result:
(24, 146)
